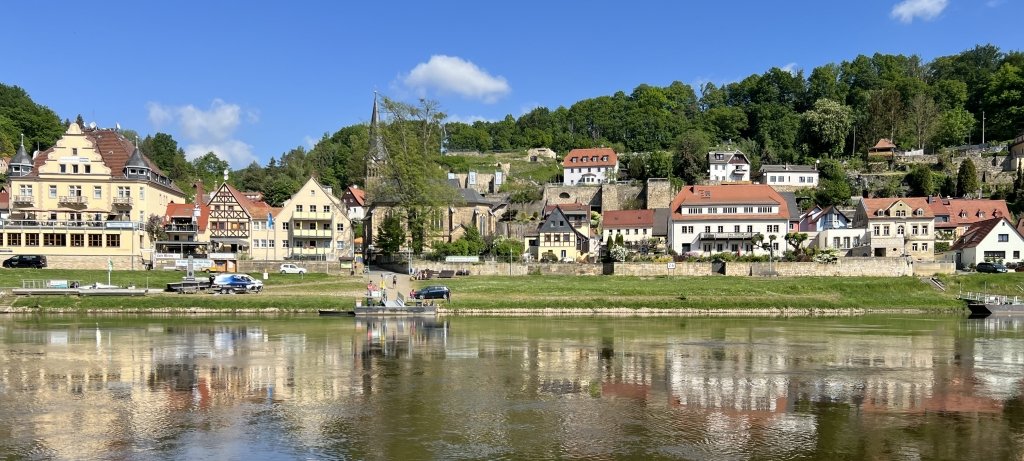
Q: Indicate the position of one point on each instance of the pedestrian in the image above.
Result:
(394, 281)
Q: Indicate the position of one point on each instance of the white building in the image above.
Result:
(590, 166)
(789, 175)
(726, 218)
(993, 240)
(728, 166)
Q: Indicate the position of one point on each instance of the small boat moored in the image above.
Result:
(983, 305)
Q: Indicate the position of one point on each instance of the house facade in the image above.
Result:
(794, 176)
(829, 227)
(86, 198)
(728, 218)
(355, 201)
(993, 240)
(590, 166)
(897, 227)
(953, 216)
(728, 166)
(557, 240)
(637, 228)
(313, 224)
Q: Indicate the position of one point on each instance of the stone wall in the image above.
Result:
(121, 263)
(555, 194)
(659, 193)
(272, 267)
(845, 267)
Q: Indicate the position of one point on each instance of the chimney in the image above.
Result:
(199, 192)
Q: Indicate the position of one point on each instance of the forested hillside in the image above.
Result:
(835, 111)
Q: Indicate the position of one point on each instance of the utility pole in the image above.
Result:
(983, 127)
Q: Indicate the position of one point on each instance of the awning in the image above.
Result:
(230, 241)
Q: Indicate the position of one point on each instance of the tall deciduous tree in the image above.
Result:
(828, 124)
(391, 236)
(922, 114)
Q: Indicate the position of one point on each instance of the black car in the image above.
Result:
(990, 267)
(33, 261)
(433, 292)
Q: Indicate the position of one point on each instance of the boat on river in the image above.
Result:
(375, 303)
(984, 304)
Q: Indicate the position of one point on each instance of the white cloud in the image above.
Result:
(456, 75)
(310, 141)
(237, 153)
(211, 130)
(907, 10)
(791, 68)
(467, 119)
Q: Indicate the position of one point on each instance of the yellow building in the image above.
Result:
(84, 202)
(312, 224)
(557, 240)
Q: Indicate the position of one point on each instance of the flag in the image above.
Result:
(270, 221)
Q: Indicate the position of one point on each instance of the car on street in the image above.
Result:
(993, 268)
(235, 283)
(33, 261)
(289, 268)
(433, 292)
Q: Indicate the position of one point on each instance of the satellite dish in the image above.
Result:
(117, 126)
(92, 125)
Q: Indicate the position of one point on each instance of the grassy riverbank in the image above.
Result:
(306, 293)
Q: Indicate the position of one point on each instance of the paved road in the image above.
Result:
(386, 279)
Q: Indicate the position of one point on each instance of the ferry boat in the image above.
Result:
(376, 304)
(984, 304)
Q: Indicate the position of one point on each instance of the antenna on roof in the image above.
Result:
(225, 175)
(92, 125)
(117, 126)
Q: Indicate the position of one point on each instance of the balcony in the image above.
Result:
(304, 251)
(726, 235)
(311, 216)
(122, 201)
(27, 199)
(190, 228)
(316, 233)
(71, 200)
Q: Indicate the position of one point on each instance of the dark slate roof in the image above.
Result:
(788, 167)
(661, 216)
(136, 160)
(794, 209)
(21, 157)
(556, 222)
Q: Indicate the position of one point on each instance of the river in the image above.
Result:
(302, 387)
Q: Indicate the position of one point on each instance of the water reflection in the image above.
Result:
(422, 388)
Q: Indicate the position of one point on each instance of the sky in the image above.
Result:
(252, 80)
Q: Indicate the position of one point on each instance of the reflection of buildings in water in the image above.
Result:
(395, 336)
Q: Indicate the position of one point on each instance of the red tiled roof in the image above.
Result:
(185, 209)
(255, 209)
(358, 194)
(883, 145)
(975, 210)
(113, 148)
(628, 219)
(729, 194)
(567, 207)
(601, 156)
(5, 199)
(872, 205)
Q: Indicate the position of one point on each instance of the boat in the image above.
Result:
(984, 304)
(375, 304)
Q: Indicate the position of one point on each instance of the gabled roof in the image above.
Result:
(601, 156)
(872, 205)
(357, 194)
(628, 219)
(255, 209)
(815, 217)
(976, 234)
(21, 157)
(556, 222)
(968, 211)
(729, 194)
(177, 210)
(734, 157)
(661, 216)
(794, 208)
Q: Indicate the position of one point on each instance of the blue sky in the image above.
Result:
(250, 80)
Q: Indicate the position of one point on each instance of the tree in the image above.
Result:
(391, 236)
(210, 168)
(795, 240)
(155, 228)
(832, 192)
(1004, 101)
(923, 112)
(953, 127)
(967, 179)
(920, 180)
(690, 159)
(828, 124)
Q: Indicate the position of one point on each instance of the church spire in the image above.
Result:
(378, 154)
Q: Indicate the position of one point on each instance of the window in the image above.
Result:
(77, 240)
(88, 169)
(707, 228)
(750, 228)
(327, 208)
(75, 191)
(835, 242)
(53, 191)
(13, 240)
(899, 230)
(1004, 237)
(123, 192)
(694, 210)
(901, 213)
(687, 229)
(748, 209)
(312, 192)
(340, 226)
(913, 230)
(63, 168)
(1016, 254)
(721, 229)
(95, 240)
(284, 244)
(142, 193)
(74, 151)
(885, 230)
(913, 247)
(97, 192)
(113, 240)
(298, 208)
(312, 208)
(74, 168)
(846, 242)
(55, 240)
(26, 189)
(730, 210)
(326, 226)
(924, 246)
(286, 225)
(32, 240)
(764, 209)
(774, 228)
(736, 228)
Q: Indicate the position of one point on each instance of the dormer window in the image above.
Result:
(593, 159)
(74, 151)
(981, 214)
(963, 214)
(604, 158)
(918, 212)
(880, 213)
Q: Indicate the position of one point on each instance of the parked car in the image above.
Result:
(288, 268)
(990, 267)
(33, 261)
(433, 292)
(235, 283)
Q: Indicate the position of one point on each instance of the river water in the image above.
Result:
(248, 388)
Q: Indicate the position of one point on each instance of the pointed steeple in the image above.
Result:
(21, 163)
(378, 154)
